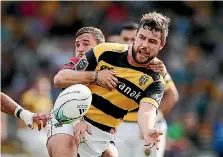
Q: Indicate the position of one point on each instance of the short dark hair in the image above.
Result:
(155, 21)
(130, 26)
(99, 36)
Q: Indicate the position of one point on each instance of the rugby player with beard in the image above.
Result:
(129, 81)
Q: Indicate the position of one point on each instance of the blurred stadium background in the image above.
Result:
(38, 37)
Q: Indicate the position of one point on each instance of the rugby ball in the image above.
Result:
(72, 103)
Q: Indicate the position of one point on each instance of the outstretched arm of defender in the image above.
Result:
(67, 77)
(10, 107)
(84, 71)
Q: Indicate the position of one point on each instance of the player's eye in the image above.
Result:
(77, 45)
(142, 37)
(85, 44)
(153, 41)
(125, 39)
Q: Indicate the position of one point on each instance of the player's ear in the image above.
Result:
(162, 45)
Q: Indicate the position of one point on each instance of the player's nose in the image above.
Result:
(80, 49)
(145, 44)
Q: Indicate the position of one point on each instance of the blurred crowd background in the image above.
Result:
(38, 37)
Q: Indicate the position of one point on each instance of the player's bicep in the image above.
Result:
(153, 94)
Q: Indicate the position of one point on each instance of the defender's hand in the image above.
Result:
(157, 66)
(107, 79)
(37, 118)
(29, 118)
(152, 138)
(79, 131)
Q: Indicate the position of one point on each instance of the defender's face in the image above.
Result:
(127, 36)
(84, 43)
(147, 44)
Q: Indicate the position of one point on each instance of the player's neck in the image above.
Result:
(132, 61)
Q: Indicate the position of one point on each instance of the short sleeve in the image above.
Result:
(169, 81)
(154, 93)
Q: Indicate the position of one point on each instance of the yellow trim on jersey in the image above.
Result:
(96, 115)
(168, 85)
(101, 48)
(131, 117)
(162, 79)
(128, 104)
(151, 101)
(128, 73)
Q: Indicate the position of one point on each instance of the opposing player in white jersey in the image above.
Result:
(128, 137)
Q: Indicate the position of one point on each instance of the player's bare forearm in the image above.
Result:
(67, 77)
(146, 117)
(7, 104)
(10, 107)
(168, 101)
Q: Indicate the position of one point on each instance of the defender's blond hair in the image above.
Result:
(98, 35)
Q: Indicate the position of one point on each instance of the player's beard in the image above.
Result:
(134, 56)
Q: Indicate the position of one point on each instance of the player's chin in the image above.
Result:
(80, 56)
(143, 60)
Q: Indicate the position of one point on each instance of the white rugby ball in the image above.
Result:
(72, 103)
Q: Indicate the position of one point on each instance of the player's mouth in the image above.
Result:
(80, 56)
(143, 53)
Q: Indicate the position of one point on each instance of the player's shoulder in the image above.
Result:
(167, 77)
(157, 77)
(112, 47)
